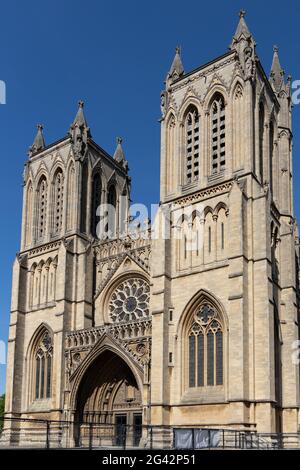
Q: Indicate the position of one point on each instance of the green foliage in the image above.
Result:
(2, 403)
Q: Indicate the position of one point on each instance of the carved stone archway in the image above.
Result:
(108, 402)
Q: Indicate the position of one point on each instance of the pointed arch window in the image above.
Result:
(206, 348)
(42, 207)
(43, 367)
(192, 144)
(58, 201)
(218, 134)
(96, 201)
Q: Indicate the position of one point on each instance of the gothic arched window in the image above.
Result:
(42, 207)
(58, 201)
(206, 348)
(218, 132)
(43, 367)
(96, 201)
(192, 144)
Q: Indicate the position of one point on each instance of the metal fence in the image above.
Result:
(51, 434)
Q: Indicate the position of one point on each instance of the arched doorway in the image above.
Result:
(109, 404)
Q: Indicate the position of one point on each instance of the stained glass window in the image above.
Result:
(205, 350)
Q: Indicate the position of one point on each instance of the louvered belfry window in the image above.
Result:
(58, 201)
(218, 134)
(192, 141)
(205, 352)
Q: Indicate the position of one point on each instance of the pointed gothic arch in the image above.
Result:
(57, 201)
(42, 207)
(192, 142)
(39, 364)
(202, 330)
(217, 133)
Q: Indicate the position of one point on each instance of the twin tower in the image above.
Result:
(137, 331)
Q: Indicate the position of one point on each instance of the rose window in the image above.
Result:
(130, 301)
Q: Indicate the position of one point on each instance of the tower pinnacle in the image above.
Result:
(39, 142)
(176, 69)
(277, 72)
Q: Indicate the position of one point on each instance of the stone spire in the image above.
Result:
(119, 154)
(79, 132)
(80, 118)
(176, 69)
(277, 73)
(39, 142)
(243, 42)
(242, 31)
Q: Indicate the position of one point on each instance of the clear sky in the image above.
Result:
(115, 56)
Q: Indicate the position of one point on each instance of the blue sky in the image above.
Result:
(114, 56)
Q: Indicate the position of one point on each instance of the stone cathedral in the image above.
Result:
(136, 330)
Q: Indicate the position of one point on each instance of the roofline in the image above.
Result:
(49, 146)
(227, 54)
(67, 138)
(106, 155)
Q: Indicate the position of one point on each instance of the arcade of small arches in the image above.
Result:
(202, 238)
(42, 282)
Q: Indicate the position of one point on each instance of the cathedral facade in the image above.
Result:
(139, 329)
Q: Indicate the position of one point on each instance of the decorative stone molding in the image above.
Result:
(201, 195)
(134, 338)
(44, 248)
(204, 73)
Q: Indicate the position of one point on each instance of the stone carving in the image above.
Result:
(249, 65)
(130, 301)
(134, 338)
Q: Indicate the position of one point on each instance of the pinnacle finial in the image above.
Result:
(176, 69)
(119, 154)
(242, 14)
(39, 142)
(81, 104)
(277, 72)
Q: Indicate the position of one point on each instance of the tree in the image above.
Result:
(2, 403)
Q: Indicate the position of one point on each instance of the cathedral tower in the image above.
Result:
(190, 322)
(224, 310)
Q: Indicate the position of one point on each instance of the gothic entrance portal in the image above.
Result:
(109, 404)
